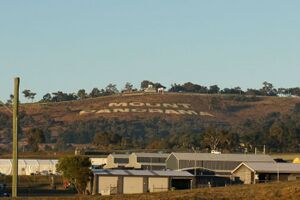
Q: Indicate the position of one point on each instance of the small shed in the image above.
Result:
(251, 173)
(108, 182)
(148, 161)
(116, 161)
(6, 166)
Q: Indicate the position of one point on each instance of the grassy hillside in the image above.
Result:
(227, 108)
(128, 121)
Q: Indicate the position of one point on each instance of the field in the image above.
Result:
(270, 191)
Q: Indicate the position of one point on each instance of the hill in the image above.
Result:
(133, 116)
(223, 108)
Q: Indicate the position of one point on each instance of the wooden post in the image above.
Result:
(15, 138)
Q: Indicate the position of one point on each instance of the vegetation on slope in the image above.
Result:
(239, 122)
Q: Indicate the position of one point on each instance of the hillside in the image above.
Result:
(179, 112)
(224, 108)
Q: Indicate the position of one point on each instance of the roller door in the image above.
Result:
(156, 184)
(108, 185)
(133, 185)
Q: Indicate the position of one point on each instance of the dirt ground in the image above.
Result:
(270, 191)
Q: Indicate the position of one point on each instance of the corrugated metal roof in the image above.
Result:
(143, 173)
(152, 155)
(274, 167)
(224, 157)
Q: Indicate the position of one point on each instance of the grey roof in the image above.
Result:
(152, 155)
(143, 173)
(272, 167)
(152, 164)
(120, 155)
(224, 157)
(97, 156)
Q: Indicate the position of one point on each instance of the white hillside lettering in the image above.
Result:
(123, 104)
(141, 107)
(187, 112)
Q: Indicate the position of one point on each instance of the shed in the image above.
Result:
(108, 182)
(22, 167)
(219, 163)
(116, 161)
(5, 166)
(45, 165)
(32, 166)
(28, 166)
(150, 161)
(251, 173)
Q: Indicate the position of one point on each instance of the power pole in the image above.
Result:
(15, 138)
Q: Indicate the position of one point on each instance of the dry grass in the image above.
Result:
(69, 111)
(271, 191)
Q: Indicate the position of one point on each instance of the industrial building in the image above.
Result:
(108, 182)
(251, 173)
(116, 161)
(28, 166)
(218, 163)
(148, 161)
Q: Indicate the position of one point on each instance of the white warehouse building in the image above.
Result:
(28, 166)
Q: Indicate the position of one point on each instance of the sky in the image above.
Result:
(67, 45)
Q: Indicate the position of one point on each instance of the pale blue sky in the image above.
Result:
(68, 45)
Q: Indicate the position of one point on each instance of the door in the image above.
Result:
(108, 185)
(158, 184)
(133, 185)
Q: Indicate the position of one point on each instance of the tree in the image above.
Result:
(276, 133)
(214, 89)
(32, 95)
(95, 93)
(297, 108)
(82, 94)
(61, 96)
(29, 94)
(26, 93)
(101, 139)
(111, 89)
(268, 89)
(128, 87)
(10, 100)
(47, 97)
(145, 84)
(176, 88)
(35, 137)
(211, 138)
(253, 92)
(158, 85)
(77, 170)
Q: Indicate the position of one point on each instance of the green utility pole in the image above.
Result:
(15, 138)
